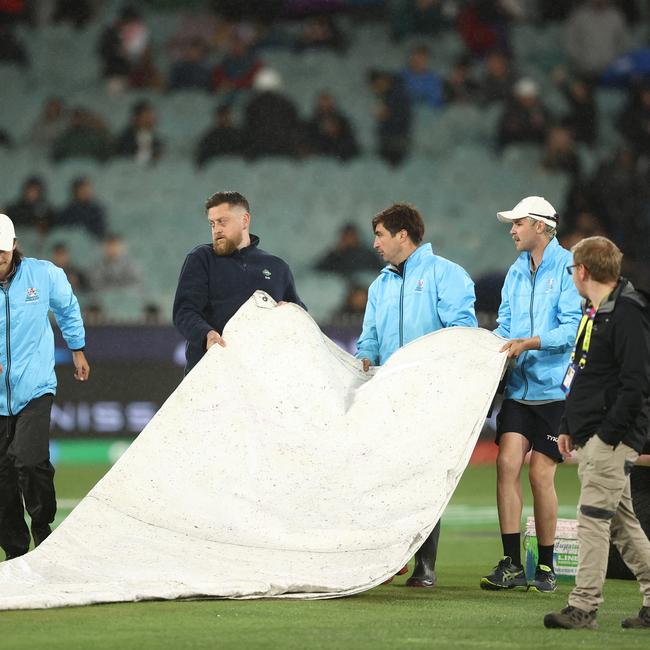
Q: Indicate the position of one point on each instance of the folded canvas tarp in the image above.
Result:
(276, 469)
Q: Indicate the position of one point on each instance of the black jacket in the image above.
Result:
(211, 288)
(84, 214)
(399, 115)
(127, 144)
(610, 396)
(220, 141)
(272, 126)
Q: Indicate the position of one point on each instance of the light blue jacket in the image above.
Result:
(26, 336)
(547, 305)
(434, 293)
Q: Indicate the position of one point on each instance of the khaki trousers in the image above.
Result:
(604, 511)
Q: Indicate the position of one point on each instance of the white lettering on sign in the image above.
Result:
(108, 416)
(102, 417)
(138, 414)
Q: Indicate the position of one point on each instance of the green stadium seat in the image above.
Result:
(121, 305)
(322, 293)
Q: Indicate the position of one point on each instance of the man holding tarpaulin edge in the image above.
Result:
(218, 278)
(606, 422)
(539, 313)
(417, 293)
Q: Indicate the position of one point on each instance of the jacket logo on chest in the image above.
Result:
(420, 285)
(267, 274)
(32, 295)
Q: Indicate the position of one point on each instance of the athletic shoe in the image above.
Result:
(571, 618)
(642, 620)
(422, 582)
(545, 581)
(505, 575)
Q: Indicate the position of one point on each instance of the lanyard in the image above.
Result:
(586, 326)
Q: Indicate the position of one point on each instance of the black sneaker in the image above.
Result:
(545, 581)
(642, 620)
(505, 575)
(571, 618)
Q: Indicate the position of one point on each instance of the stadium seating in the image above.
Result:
(453, 174)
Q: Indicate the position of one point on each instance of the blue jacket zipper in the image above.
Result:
(401, 308)
(8, 368)
(532, 327)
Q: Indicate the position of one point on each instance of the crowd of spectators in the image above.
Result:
(221, 51)
(77, 132)
(271, 125)
(115, 269)
(33, 210)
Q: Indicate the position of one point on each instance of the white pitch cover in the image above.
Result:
(277, 469)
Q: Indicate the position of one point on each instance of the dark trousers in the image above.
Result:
(26, 474)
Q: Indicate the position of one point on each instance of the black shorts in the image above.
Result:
(539, 424)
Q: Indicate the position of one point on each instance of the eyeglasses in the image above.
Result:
(569, 269)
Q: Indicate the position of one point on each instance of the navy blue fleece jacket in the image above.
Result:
(211, 288)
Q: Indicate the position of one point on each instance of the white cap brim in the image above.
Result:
(507, 216)
(510, 215)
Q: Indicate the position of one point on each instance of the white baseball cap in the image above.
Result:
(267, 79)
(535, 207)
(7, 233)
(526, 87)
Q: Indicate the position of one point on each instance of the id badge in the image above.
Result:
(569, 376)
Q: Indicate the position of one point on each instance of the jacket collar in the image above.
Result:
(624, 289)
(421, 252)
(550, 251)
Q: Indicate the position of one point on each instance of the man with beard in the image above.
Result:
(218, 278)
